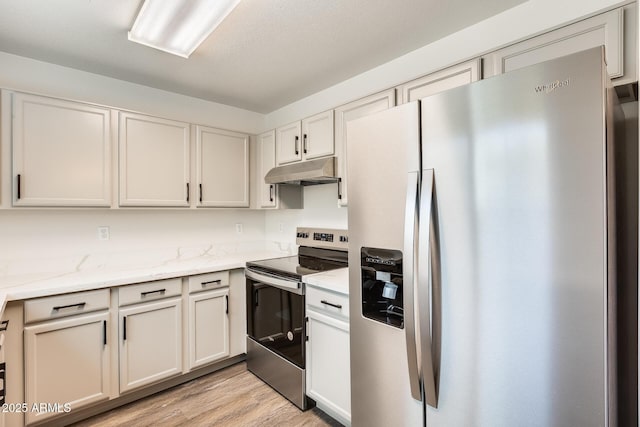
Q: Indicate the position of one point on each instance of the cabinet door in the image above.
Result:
(208, 327)
(150, 343)
(449, 78)
(288, 144)
(67, 361)
(154, 161)
(317, 136)
(354, 110)
(605, 29)
(61, 153)
(267, 161)
(328, 366)
(223, 168)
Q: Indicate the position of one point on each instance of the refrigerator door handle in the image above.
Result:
(422, 294)
(410, 220)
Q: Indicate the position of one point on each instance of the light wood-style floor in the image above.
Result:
(230, 397)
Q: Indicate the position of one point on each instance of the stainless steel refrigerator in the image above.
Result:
(482, 253)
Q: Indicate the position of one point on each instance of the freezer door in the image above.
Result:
(520, 196)
(381, 148)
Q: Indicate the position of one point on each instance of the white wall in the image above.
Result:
(48, 240)
(521, 22)
(320, 210)
(29, 75)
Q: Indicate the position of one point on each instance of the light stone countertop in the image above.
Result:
(96, 272)
(332, 280)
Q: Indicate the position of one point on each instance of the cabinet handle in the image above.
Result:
(339, 189)
(306, 327)
(79, 305)
(187, 192)
(3, 380)
(304, 144)
(104, 332)
(19, 187)
(219, 282)
(4, 325)
(331, 304)
(200, 193)
(297, 145)
(124, 328)
(159, 291)
(227, 299)
(271, 192)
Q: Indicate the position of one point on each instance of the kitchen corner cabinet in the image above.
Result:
(222, 168)
(457, 75)
(272, 195)
(67, 361)
(208, 327)
(605, 29)
(154, 161)
(61, 152)
(343, 114)
(267, 161)
(309, 139)
(150, 344)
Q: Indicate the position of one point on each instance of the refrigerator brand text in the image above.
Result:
(550, 87)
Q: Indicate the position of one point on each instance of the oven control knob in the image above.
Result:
(290, 336)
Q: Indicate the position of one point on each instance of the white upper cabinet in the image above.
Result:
(288, 144)
(317, 136)
(354, 110)
(61, 153)
(605, 29)
(455, 76)
(222, 168)
(311, 138)
(154, 161)
(266, 161)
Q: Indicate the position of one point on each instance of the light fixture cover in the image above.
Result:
(178, 26)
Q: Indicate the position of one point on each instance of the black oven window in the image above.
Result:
(276, 320)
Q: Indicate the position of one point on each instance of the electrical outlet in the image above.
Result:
(239, 228)
(103, 233)
(281, 227)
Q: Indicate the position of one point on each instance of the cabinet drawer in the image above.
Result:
(327, 301)
(203, 282)
(149, 291)
(65, 305)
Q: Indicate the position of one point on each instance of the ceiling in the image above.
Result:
(266, 54)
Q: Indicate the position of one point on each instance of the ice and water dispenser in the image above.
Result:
(382, 286)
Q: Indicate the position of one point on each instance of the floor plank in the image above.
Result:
(229, 397)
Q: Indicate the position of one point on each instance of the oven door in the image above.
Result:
(275, 317)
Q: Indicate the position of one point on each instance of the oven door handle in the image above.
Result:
(274, 280)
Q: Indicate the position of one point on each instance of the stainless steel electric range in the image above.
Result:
(276, 324)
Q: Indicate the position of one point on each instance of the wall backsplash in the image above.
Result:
(320, 210)
(38, 240)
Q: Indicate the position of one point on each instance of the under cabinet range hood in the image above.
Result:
(312, 172)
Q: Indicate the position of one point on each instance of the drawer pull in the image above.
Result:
(159, 291)
(210, 282)
(331, 304)
(79, 306)
(4, 325)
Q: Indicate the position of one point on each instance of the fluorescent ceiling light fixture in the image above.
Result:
(178, 26)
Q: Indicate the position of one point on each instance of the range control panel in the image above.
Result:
(322, 238)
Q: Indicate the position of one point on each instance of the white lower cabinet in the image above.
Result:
(66, 362)
(150, 342)
(328, 368)
(208, 327)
